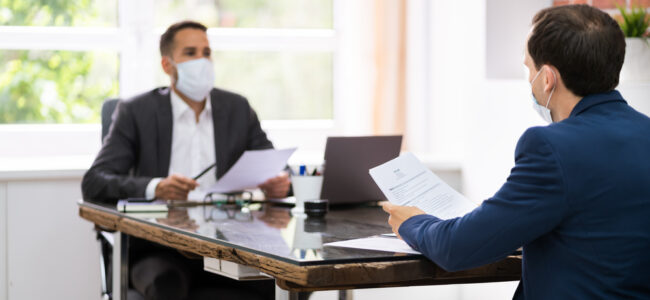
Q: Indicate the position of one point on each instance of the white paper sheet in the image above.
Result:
(406, 181)
(390, 244)
(252, 169)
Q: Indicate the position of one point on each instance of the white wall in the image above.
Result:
(637, 95)
(49, 140)
(494, 124)
(51, 252)
(3, 241)
(507, 26)
(452, 71)
(496, 111)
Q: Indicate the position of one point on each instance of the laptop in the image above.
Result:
(347, 160)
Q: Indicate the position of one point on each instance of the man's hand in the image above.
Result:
(175, 187)
(276, 187)
(399, 214)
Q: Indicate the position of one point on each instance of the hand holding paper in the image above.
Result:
(253, 168)
(407, 182)
(276, 187)
(399, 214)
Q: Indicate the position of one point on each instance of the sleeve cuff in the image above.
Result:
(150, 192)
(410, 229)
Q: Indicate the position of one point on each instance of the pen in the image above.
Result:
(315, 172)
(303, 170)
(205, 171)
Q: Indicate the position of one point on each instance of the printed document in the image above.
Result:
(253, 168)
(389, 244)
(406, 181)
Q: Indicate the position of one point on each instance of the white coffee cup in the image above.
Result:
(305, 188)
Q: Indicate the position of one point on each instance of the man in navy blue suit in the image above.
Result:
(578, 197)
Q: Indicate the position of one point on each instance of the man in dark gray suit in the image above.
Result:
(160, 139)
(141, 135)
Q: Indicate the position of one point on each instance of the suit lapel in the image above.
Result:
(220, 126)
(165, 124)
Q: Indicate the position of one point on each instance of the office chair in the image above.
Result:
(105, 236)
(107, 115)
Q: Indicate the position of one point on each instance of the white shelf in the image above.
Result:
(44, 167)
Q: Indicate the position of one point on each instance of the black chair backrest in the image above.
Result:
(107, 115)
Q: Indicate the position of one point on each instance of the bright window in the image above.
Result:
(45, 86)
(98, 13)
(279, 85)
(248, 13)
(60, 59)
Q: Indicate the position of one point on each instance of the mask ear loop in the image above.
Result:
(173, 63)
(535, 78)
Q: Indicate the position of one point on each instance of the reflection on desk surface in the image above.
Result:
(272, 231)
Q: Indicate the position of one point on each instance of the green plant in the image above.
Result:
(55, 86)
(635, 22)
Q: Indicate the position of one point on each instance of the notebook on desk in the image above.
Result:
(347, 161)
(139, 205)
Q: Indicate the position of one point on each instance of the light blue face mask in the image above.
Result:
(195, 78)
(543, 111)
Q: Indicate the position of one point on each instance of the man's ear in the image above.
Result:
(551, 79)
(167, 65)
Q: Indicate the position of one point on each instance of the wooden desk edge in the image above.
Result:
(311, 278)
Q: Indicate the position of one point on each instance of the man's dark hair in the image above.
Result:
(167, 38)
(584, 43)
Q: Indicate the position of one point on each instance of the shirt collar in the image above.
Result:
(595, 99)
(179, 107)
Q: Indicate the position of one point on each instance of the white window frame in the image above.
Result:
(134, 38)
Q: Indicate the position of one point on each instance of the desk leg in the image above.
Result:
(345, 295)
(120, 266)
(281, 294)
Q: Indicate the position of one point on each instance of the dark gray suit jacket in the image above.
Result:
(138, 145)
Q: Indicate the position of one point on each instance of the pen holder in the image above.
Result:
(305, 188)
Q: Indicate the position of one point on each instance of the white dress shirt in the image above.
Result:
(192, 147)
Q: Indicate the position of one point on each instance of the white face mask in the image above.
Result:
(195, 78)
(543, 111)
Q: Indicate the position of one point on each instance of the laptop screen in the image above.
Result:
(347, 161)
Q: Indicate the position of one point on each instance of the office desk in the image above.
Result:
(290, 249)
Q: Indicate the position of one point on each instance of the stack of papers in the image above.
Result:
(142, 206)
(389, 244)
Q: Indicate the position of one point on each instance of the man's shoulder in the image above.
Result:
(148, 98)
(550, 138)
(532, 139)
(564, 131)
(228, 97)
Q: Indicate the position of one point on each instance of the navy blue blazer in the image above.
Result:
(577, 200)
